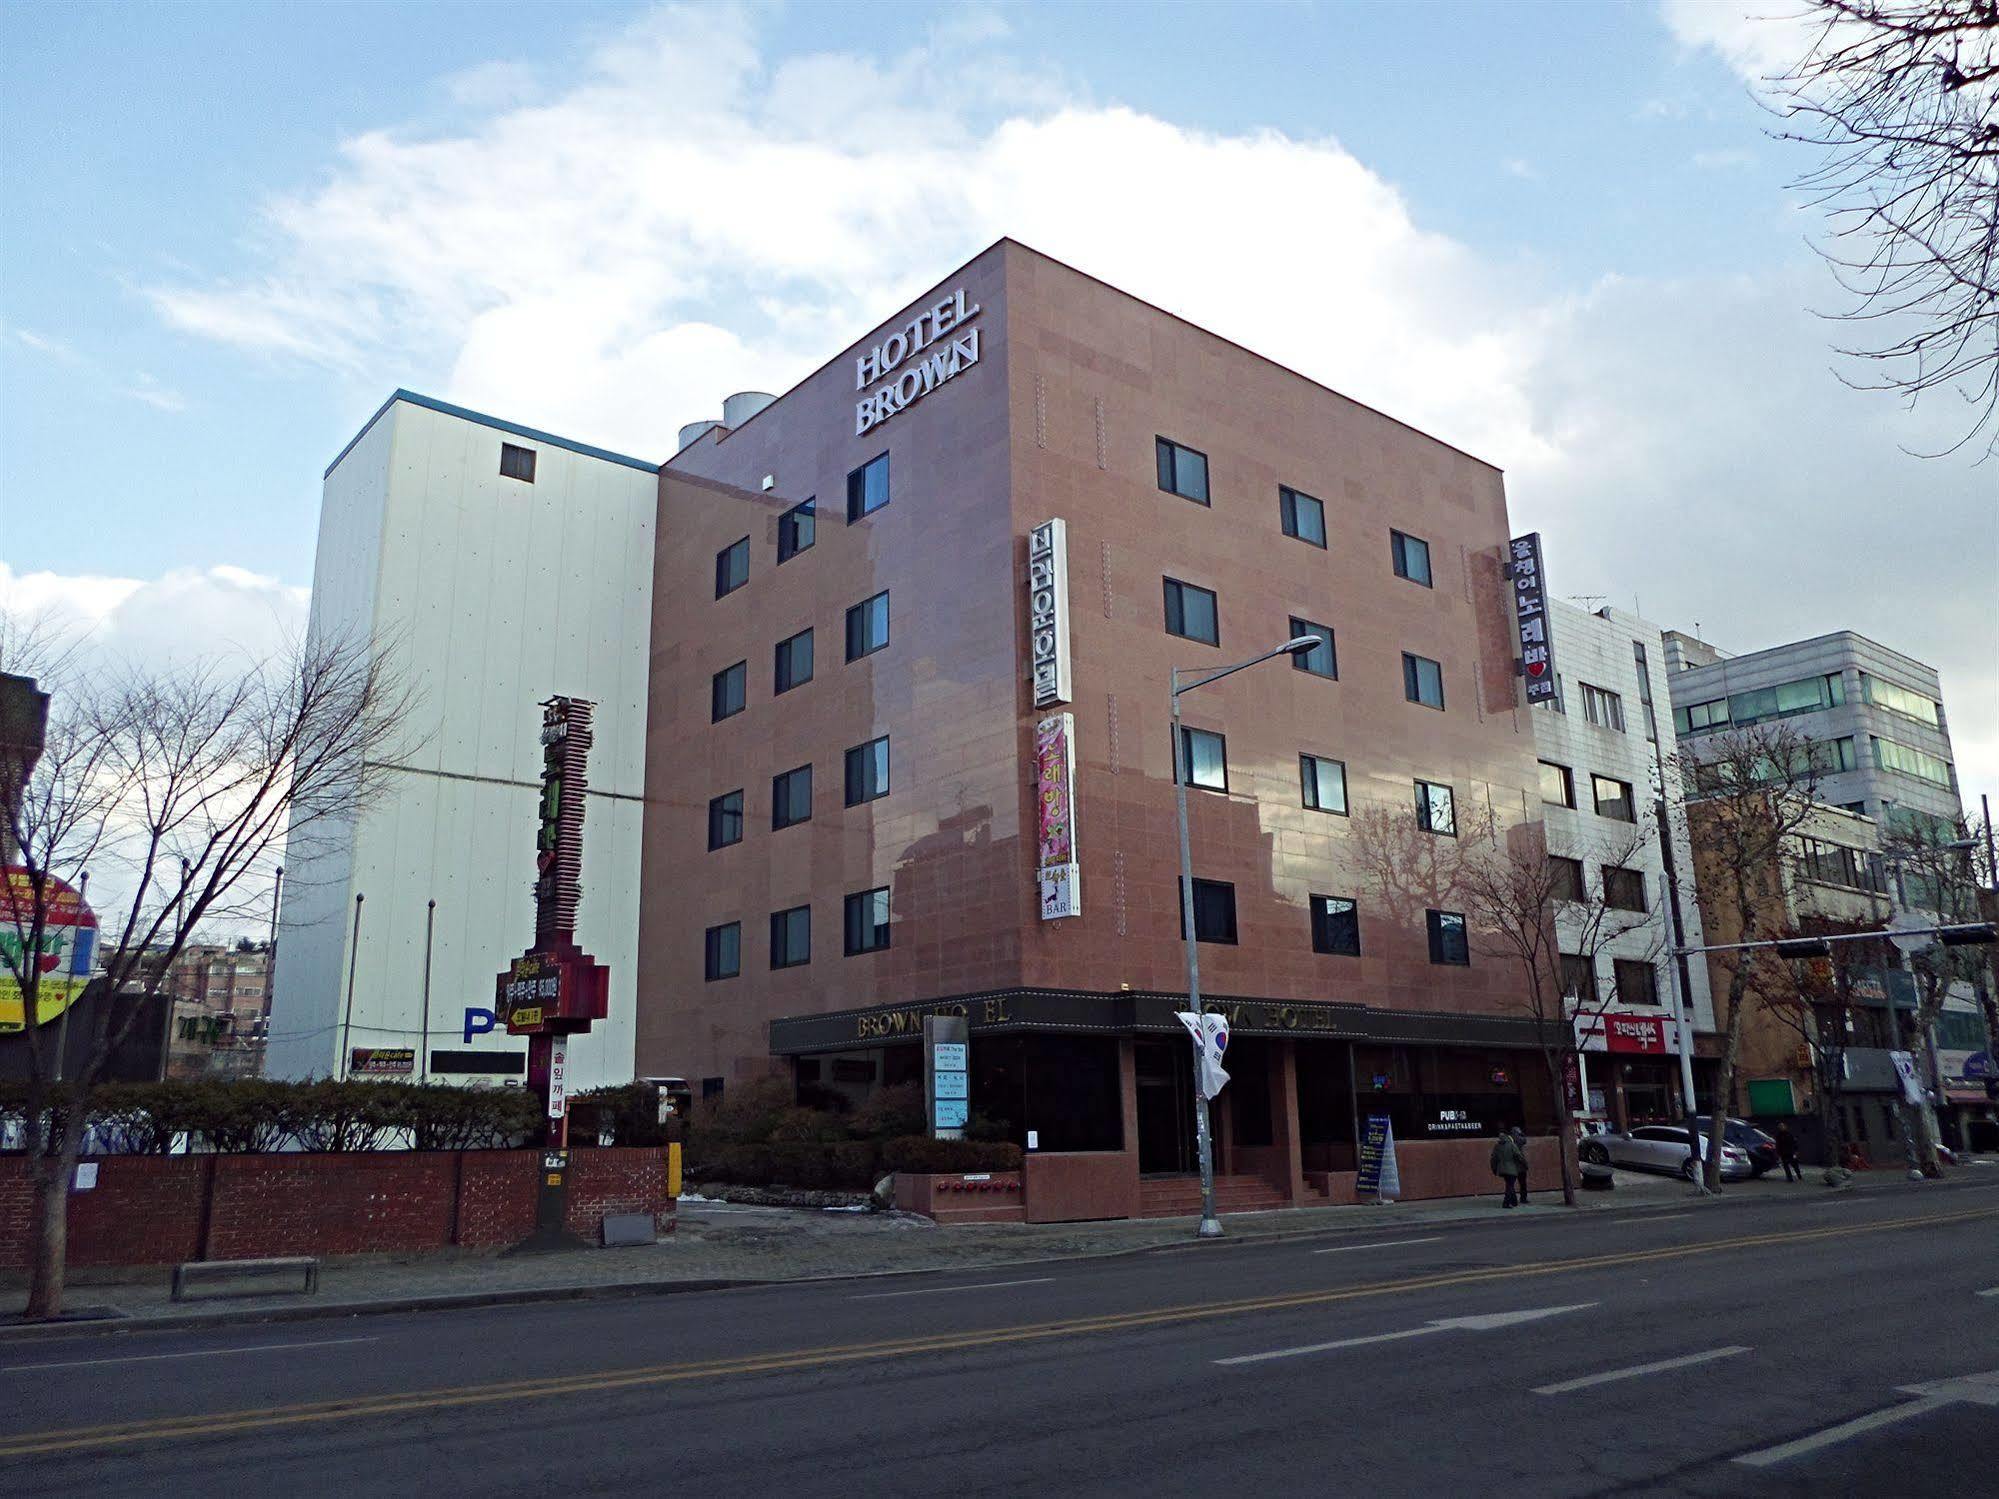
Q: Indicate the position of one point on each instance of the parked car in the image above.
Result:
(1662, 1147)
(1746, 1136)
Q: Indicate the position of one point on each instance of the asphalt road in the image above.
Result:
(1818, 1344)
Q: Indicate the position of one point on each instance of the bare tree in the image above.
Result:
(184, 783)
(1752, 791)
(1901, 97)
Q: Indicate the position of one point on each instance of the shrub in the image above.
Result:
(629, 1114)
(744, 1115)
(889, 1112)
(918, 1154)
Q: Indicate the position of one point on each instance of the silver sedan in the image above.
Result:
(1660, 1147)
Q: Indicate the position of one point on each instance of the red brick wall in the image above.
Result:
(148, 1210)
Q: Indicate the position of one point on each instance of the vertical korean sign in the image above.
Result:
(1055, 817)
(1048, 612)
(1530, 608)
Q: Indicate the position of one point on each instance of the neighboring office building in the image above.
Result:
(843, 811)
(221, 998)
(1604, 741)
(502, 566)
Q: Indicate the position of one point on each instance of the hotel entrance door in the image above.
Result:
(1165, 1076)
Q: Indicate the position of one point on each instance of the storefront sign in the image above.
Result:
(1048, 612)
(1530, 608)
(558, 1077)
(381, 1061)
(947, 1078)
(1453, 1122)
(65, 953)
(1379, 1176)
(1056, 868)
(1642, 1035)
(903, 387)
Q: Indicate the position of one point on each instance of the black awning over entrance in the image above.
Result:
(1014, 1010)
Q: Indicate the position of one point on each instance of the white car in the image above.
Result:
(1661, 1147)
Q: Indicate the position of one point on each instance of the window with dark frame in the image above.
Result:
(791, 937)
(867, 626)
(1603, 708)
(516, 463)
(791, 797)
(1183, 471)
(723, 951)
(732, 567)
(1301, 515)
(796, 528)
(1323, 783)
(1613, 798)
(1214, 912)
(867, 921)
(725, 820)
(1206, 756)
(867, 488)
(1436, 808)
(1558, 784)
(1192, 613)
(1623, 889)
(867, 771)
(1411, 555)
(1448, 942)
(1565, 878)
(1321, 660)
(1422, 680)
(1335, 926)
(1578, 977)
(1637, 981)
(726, 691)
(793, 662)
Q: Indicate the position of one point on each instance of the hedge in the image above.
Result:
(843, 1165)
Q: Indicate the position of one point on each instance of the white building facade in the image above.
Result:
(495, 566)
(1606, 745)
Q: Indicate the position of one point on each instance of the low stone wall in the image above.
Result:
(1074, 1187)
(961, 1197)
(162, 1210)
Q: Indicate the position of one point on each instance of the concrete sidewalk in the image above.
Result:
(720, 1245)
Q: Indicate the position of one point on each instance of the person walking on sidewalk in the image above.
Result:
(1787, 1152)
(1520, 1142)
(1508, 1161)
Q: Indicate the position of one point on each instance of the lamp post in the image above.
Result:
(1211, 1226)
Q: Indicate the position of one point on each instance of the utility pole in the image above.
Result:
(1677, 972)
(353, 955)
(423, 1052)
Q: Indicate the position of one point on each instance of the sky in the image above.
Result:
(1559, 236)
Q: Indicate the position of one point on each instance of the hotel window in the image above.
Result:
(1214, 912)
(1578, 979)
(867, 626)
(1613, 798)
(1565, 878)
(516, 463)
(1558, 784)
(1335, 926)
(1303, 516)
(867, 921)
(793, 663)
(1191, 613)
(791, 797)
(1325, 783)
(1637, 982)
(795, 529)
(1321, 660)
(725, 820)
(867, 488)
(732, 567)
(1623, 889)
(1206, 758)
(1910, 761)
(1422, 680)
(1435, 810)
(1604, 709)
(724, 951)
(1411, 555)
(1899, 700)
(1448, 943)
(726, 691)
(867, 771)
(791, 937)
(1183, 471)
(1787, 699)
(1701, 717)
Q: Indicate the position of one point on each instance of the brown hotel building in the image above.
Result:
(842, 827)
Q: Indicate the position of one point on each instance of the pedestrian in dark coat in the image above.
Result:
(1509, 1162)
(1787, 1152)
(1520, 1139)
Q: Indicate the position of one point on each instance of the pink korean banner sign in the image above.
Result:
(1055, 817)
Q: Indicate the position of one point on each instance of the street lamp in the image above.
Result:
(1211, 1226)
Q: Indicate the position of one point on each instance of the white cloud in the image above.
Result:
(53, 348)
(1727, 160)
(1758, 39)
(686, 217)
(178, 617)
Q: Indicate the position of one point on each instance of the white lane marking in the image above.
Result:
(1635, 1370)
(1377, 1244)
(149, 1358)
(1486, 1322)
(1993, 1292)
(1888, 1417)
(990, 1285)
(1655, 1218)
